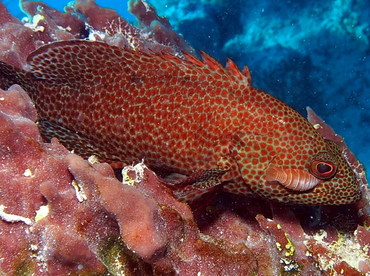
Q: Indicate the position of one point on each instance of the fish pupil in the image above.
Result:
(324, 168)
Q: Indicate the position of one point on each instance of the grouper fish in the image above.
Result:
(182, 115)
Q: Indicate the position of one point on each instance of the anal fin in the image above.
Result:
(74, 141)
(10, 75)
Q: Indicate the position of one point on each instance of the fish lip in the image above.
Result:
(349, 199)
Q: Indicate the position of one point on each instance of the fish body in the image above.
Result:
(182, 115)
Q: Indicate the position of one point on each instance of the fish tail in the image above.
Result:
(10, 75)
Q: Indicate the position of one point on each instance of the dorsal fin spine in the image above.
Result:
(242, 75)
(210, 61)
(247, 74)
(189, 57)
(233, 68)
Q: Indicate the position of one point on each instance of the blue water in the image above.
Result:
(307, 53)
(120, 6)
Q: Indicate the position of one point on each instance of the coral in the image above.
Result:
(60, 214)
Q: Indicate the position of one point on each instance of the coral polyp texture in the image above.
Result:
(61, 214)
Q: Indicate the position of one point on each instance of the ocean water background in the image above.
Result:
(306, 53)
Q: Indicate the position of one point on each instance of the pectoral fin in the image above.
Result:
(197, 184)
(203, 181)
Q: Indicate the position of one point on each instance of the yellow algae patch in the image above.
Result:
(278, 246)
(80, 194)
(290, 249)
(346, 248)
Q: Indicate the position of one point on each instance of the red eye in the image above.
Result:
(323, 169)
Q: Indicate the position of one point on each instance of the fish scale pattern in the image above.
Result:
(184, 115)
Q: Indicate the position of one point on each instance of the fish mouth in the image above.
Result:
(352, 198)
(337, 199)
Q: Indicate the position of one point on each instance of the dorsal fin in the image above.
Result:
(189, 57)
(210, 61)
(166, 56)
(242, 75)
(247, 74)
(231, 68)
(81, 63)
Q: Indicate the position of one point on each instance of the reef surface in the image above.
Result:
(60, 214)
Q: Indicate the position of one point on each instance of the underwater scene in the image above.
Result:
(184, 137)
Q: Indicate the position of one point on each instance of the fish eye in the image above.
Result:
(323, 169)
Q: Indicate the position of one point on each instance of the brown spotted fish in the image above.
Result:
(183, 116)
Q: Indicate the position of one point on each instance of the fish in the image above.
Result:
(184, 116)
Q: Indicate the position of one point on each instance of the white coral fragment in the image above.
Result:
(93, 159)
(138, 170)
(28, 172)
(13, 218)
(42, 212)
(35, 21)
